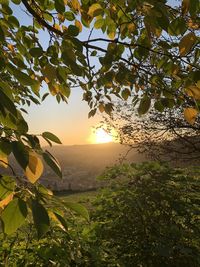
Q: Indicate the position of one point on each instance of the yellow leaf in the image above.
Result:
(190, 115)
(11, 48)
(57, 27)
(187, 43)
(111, 35)
(93, 8)
(78, 25)
(131, 27)
(3, 161)
(76, 5)
(193, 91)
(61, 18)
(54, 89)
(6, 200)
(35, 168)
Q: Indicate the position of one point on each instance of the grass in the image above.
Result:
(84, 198)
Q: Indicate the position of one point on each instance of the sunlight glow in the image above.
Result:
(101, 136)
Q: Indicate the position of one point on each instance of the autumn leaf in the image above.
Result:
(193, 91)
(35, 168)
(190, 115)
(187, 43)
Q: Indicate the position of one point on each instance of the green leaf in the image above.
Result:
(7, 103)
(194, 7)
(14, 215)
(14, 21)
(73, 30)
(5, 87)
(144, 105)
(5, 147)
(60, 6)
(69, 16)
(78, 208)
(52, 162)
(21, 154)
(49, 72)
(36, 51)
(2, 36)
(99, 23)
(52, 137)
(126, 93)
(16, 2)
(61, 220)
(7, 185)
(177, 27)
(40, 218)
(22, 77)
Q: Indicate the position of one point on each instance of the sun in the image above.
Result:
(101, 136)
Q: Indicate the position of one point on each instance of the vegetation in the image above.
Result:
(148, 215)
(165, 135)
(146, 49)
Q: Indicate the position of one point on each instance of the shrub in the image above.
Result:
(149, 216)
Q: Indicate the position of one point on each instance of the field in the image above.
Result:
(84, 198)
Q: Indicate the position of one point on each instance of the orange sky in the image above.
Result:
(68, 121)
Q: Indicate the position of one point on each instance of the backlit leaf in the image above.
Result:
(94, 8)
(190, 115)
(6, 201)
(35, 168)
(3, 161)
(7, 185)
(193, 91)
(78, 208)
(14, 215)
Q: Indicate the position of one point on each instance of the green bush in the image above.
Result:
(149, 217)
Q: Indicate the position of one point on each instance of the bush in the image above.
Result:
(149, 216)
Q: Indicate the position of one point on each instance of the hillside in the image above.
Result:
(82, 163)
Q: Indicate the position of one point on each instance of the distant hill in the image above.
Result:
(82, 163)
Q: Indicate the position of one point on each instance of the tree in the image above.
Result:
(148, 216)
(160, 136)
(148, 49)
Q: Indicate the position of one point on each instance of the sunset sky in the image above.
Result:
(68, 121)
